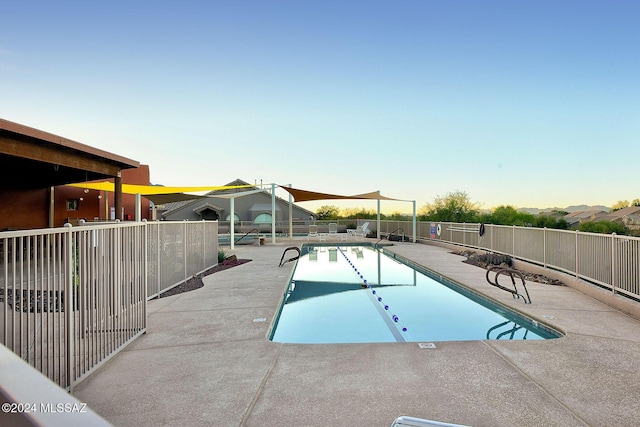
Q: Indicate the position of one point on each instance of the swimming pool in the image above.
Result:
(358, 294)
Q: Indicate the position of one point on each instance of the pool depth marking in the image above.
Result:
(375, 298)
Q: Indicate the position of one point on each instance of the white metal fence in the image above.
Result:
(608, 260)
(178, 251)
(72, 297)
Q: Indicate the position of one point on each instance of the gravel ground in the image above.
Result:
(196, 281)
(489, 259)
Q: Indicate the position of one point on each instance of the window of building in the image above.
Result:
(235, 216)
(72, 204)
(262, 219)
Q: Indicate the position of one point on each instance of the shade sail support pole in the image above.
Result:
(378, 219)
(290, 215)
(273, 213)
(414, 221)
(232, 224)
(138, 207)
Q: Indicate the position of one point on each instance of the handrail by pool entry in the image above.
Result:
(388, 237)
(247, 233)
(510, 272)
(290, 259)
(511, 332)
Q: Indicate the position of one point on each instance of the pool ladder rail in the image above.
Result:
(247, 233)
(498, 271)
(388, 236)
(283, 261)
(510, 331)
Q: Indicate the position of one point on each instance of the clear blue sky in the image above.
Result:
(523, 103)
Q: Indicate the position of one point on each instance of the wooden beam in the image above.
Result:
(42, 152)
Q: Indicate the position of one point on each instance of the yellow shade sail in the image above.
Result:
(151, 189)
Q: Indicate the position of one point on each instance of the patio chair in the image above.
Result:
(362, 230)
(333, 229)
(313, 231)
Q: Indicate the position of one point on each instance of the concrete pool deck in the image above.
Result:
(206, 360)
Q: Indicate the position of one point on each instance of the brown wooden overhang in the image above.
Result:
(31, 158)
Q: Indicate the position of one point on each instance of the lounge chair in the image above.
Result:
(313, 231)
(362, 230)
(333, 230)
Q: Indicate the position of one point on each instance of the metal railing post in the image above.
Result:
(464, 234)
(184, 248)
(491, 237)
(544, 247)
(577, 256)
(613, 262)
(413, 222)
(69, 303)
(158, 249)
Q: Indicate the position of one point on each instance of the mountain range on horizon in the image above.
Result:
(570, 209)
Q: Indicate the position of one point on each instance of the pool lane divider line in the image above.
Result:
(382, 308)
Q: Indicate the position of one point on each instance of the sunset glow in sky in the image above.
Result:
(523, 103)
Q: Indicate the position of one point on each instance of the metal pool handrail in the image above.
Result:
(290, 259)
(510, 272)
(388, 237)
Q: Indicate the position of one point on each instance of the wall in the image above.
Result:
(24, 209)
(29, 209)
(93, 207)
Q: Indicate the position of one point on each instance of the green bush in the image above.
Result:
(221, 255)
(605, 227)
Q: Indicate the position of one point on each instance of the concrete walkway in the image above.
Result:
(205, 360)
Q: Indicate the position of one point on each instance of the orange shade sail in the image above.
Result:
(300, 195)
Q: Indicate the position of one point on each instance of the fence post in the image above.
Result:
(491, 237)
(69, 304)
(464, 234)
(204, 244)
(544, 247)
(184, 249)
(613, 262)
(159, 248)
(577, 260)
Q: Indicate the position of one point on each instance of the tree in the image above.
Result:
(549, 221)
(606, 227)
(508, 215)
(398, 216)
(327, 212)
(452, 207)
(620, 204)
(359, 213)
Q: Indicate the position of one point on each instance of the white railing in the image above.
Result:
(608, 260)
(178, 251)
(282, 228)
(72, 297)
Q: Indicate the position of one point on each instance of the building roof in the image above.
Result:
(168, 208)
(32, 158)
(585, 214)
(620, 213)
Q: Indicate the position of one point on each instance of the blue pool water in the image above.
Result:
(357, 294)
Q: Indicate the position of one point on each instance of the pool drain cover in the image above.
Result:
(426, 345)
